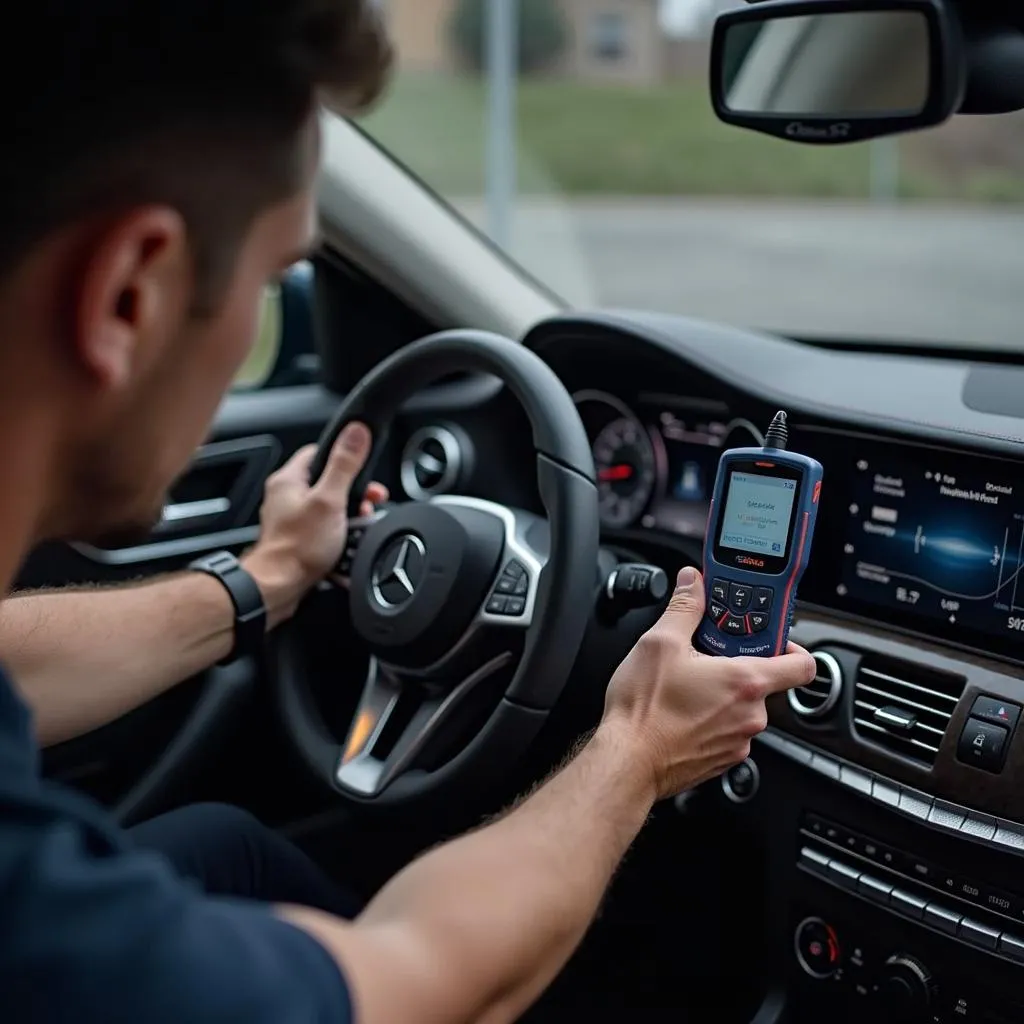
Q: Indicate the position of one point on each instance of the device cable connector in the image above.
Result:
(778, 433)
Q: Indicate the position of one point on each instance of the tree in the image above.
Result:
(543, 33)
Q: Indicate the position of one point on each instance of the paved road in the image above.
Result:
(946, 274)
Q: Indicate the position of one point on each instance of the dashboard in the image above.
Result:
(925, 534)
(887, 796)
(921, 533)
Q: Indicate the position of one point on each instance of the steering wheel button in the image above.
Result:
(497, 604)
(734, 626)
(720, 591)
(515, 606)
(739, 597)
(522, 585)
(505, 585)
(515, 569)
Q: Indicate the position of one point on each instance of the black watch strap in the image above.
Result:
(250, 612)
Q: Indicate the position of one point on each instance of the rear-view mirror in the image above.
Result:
(827, 72)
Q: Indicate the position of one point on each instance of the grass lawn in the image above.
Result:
(618, 140)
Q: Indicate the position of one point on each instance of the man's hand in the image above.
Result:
(302, 527)
(687, 714)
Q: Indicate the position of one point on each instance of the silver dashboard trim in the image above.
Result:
(948, 818)
(177, 548)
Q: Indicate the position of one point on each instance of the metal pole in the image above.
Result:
(502, 69)
(885, 170)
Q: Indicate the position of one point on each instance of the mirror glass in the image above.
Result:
(845, 64)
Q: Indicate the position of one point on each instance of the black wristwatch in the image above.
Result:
(250, 611)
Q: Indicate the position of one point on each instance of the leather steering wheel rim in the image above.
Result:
(565, 586)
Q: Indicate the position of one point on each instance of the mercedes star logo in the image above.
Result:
(398, 571)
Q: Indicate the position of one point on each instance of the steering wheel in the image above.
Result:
(446, 592)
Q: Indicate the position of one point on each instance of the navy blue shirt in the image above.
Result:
(93, 930)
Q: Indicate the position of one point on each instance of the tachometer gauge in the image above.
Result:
(624, 459)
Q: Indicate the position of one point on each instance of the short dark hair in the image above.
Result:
(199, 104)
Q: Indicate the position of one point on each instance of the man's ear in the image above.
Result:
(134, 293)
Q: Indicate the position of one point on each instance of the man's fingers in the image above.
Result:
(794, 668)
(376, 493)
(346, 459)
(298, 465)
(686, 607)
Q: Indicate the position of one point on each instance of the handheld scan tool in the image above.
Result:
(757, 546)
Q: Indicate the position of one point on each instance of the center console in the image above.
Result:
(890, 796)
(886, 800)
(892, 787)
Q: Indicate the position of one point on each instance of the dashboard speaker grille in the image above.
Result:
(903, 707)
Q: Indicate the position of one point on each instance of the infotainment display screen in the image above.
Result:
(939, 538)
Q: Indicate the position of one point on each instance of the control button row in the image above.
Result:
(740, 598)
(355, 535)
(920, 869)
(737, 625)
(946, 817)
(508, 596)
(356, 531)
(908, 904)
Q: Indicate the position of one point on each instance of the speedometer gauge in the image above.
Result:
(624, 460)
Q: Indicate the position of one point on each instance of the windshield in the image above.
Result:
(595, 160)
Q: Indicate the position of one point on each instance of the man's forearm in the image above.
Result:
(83, 657)
(476, 929)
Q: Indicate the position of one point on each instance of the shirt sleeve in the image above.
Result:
(114, 936)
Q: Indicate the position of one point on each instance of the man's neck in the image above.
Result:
(25, 461)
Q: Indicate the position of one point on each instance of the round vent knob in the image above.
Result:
(821, 694)
(431, 462)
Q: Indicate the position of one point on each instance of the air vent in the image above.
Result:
(903, 707)
(431, 463)
(819, 697)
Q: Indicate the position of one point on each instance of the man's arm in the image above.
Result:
(476, 929)
(84, 657)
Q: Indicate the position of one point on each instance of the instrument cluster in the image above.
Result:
(656, 457)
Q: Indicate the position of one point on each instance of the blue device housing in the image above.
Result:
(760, 592)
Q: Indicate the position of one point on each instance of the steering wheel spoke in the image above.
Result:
(394, 723)
(512, 594)
(356, 531)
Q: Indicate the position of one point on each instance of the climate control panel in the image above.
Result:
(847, 974)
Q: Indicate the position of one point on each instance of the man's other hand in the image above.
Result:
(303, 527)
(688, 715)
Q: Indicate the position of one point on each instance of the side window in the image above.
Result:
(284, 352)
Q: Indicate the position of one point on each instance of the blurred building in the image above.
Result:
(609, 40)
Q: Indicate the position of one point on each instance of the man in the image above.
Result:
(83, 657)
(159, 169)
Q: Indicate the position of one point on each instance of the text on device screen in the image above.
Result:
(940, 537)
(757, 512)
